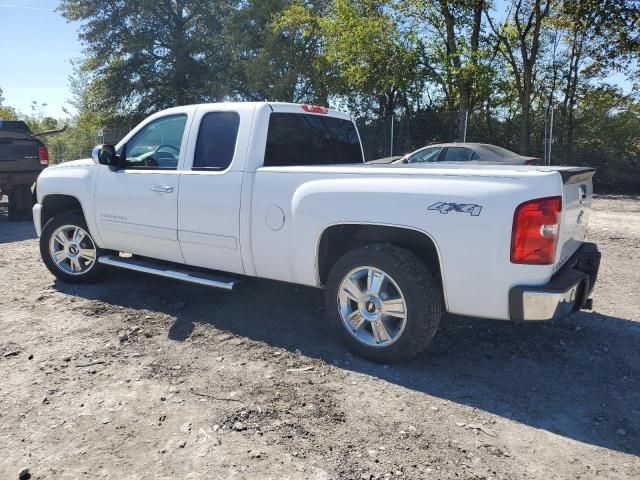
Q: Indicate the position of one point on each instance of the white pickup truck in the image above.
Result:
(210, 193)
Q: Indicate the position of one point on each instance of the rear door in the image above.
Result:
(211, 187)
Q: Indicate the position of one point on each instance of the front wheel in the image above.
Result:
(383, 303)
(69, 251)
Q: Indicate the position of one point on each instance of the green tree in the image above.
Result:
(450, 34)
(275, 51)
(6, 112)
(598, 37)
(152, 55)
(369, 54)
(519, 40)
(608, 126)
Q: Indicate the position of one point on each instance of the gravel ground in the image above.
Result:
(140, 377)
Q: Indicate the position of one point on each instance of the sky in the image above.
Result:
(36, 46)
(36, 49)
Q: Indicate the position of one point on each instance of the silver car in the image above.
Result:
(463, 152)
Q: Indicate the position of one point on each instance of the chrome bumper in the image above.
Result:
(568, 290)
(37, 215)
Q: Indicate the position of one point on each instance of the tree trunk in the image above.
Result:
(489, 121)
(525, 124)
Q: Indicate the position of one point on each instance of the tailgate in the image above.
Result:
(18, 153)
(577, 194)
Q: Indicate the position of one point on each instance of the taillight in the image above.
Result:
(315, 109)
(43, 156)
(533, 161)
(536, 225)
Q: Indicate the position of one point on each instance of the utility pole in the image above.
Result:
(550, 136)
(466, 123)
(391, 149)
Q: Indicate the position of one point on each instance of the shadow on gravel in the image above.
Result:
(578, 378)
(20, 230)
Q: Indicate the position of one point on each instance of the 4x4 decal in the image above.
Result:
(444, 208)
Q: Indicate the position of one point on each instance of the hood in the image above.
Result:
(85, 162)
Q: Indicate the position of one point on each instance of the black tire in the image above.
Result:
(20, 203)
(415, 282)
(94, 272)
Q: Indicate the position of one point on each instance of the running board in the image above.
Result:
(201, 278)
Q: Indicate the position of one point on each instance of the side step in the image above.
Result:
(166, 271)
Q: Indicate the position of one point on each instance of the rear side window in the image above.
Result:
(216, 143)
(457, 154)
(298, 139)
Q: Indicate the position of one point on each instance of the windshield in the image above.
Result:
(503, 152)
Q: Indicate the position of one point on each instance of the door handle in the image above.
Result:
(162, 189)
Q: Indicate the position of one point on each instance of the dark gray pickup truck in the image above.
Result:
(22, 158)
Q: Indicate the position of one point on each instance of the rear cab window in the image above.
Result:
(301, 139)
(14, 126)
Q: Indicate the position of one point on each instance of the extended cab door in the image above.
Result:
(211, 186)
(137, 205)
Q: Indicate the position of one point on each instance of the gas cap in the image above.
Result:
(274, 218)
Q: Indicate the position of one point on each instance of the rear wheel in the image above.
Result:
(383, 303)
(69, 251)
(20, 203)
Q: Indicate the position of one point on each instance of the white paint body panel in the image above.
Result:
(209, 201)
(268, 221)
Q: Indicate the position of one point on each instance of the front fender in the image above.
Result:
(73, 181)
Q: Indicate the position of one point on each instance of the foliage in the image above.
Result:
(369, 55)
(6, 112)
(439, 67)
(275, 52)
(152, 55)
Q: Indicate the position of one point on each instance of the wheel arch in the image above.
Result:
(337, 239)
(54, 204)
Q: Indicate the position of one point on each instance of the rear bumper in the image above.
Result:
(568, 290)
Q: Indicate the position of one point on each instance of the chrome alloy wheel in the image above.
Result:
(72, 250)
(372, 306)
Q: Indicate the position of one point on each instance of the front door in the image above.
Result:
(137, 205)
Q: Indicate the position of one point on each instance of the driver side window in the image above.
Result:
(157, 145)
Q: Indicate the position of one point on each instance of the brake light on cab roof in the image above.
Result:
(315, 109)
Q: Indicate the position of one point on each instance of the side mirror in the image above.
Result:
(105, 155)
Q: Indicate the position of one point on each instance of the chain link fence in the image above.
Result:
(76, 143)
(553, 139)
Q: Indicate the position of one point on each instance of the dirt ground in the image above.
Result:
(140, 377)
